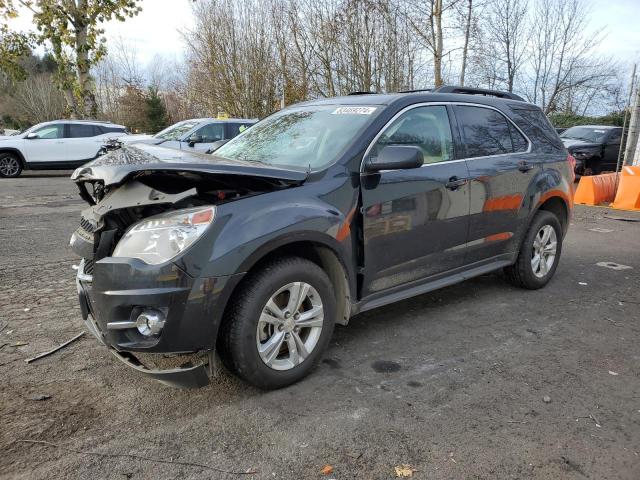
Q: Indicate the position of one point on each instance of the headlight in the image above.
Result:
(159, 238)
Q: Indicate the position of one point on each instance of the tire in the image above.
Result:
(250, 328)
(526, 272)
(10, 165)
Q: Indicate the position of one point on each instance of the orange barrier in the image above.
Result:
(596, 189)
(628, 196)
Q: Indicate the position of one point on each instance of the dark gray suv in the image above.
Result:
(323, 210)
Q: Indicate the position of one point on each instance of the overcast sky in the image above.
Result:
(156, 29)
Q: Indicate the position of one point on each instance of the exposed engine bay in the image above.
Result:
(127, 185)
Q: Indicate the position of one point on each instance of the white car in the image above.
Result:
(55, 145)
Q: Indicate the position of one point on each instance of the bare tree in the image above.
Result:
(507, 32)
(37, 99)
(467, 35)
(564, 61)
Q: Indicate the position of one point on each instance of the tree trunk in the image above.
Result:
(437, 50)
(465, 49)
(87, 105)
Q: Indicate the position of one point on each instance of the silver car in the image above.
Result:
(195, 135)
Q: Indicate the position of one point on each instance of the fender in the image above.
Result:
(238, 239)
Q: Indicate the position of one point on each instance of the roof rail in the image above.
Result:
(108, 122)
(361, 93)
(417, 90)
(478, 91)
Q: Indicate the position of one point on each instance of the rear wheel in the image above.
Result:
(10, 165)
(279, 323)
(539, 254)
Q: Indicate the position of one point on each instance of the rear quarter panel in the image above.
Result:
(556, 178)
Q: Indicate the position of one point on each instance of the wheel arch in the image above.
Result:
(16, 152)
(322, 254)
(557, 205)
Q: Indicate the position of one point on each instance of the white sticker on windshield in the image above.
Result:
(354, 111)
(599, 131)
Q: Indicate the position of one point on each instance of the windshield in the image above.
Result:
(304, 137)
(177, 131)
(588, 134)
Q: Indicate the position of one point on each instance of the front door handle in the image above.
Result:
(524, 167)
(454, 183)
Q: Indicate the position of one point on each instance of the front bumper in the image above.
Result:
(116, 291)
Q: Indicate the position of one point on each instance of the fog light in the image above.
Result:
(150, 322)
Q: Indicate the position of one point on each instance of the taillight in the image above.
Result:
(572, 167)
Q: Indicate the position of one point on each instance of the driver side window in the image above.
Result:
(425, 127)
(211, 133)
(50, 131)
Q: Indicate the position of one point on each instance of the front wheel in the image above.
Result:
(10, 166)
(279, 323)
(539, 254)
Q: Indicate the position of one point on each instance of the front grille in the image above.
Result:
(87, 225)
(88, 266)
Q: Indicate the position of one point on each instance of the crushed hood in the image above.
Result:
(118, 165)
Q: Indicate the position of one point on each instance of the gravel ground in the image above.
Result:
(452, 383)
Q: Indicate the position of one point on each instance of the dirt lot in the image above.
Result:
(451, 383)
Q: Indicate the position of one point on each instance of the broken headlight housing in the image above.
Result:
(159, 238)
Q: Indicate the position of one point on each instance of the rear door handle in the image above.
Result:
(524, 167)
(454, 183)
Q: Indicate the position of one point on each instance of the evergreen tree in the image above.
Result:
(155, 110)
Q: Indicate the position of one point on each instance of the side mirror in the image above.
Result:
(31, 136)
(395, 157)
(216, 145)
(193, 139)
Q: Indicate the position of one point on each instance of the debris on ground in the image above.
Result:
(39, 397)
(405, 471)
(19, 344)
(583, 283)
(59, 347)
(615, 374)
(601, 230)
(326, 470)
(613, 265)
(546, 399)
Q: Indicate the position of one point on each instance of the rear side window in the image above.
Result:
(537, 127)
(424, 127)
(77, 130)
(486, 132)
(520, 143)
(104, 129)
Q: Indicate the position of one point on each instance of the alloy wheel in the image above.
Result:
(290, 326)
(9, 166)
(545, 246)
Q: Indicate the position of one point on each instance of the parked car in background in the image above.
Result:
(323, 210)
(197, 135)
(560, 130)
(55, 145)
(7, 132)
(595, 147)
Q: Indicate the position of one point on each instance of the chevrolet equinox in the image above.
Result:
(323, 210)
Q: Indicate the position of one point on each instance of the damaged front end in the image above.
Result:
(139, 284)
